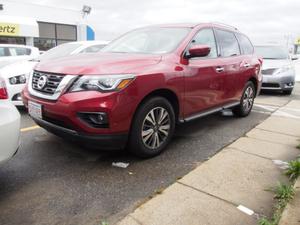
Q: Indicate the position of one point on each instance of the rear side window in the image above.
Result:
(4, 52)
(23, 51)
(228, 43)
(16, 51)
(245, 44)
(206, 37)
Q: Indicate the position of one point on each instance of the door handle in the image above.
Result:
(246, 65)
(220, 69)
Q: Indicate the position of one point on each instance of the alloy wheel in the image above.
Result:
(156, 127)
(248, 99)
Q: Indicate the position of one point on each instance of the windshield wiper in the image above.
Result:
(34, 60)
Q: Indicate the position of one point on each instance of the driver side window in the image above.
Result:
(206, 37)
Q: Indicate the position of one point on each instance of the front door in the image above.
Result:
(204, 77)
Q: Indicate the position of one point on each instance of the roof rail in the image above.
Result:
(224, 24)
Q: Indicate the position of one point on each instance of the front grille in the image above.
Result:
(270, 85)
(52, 82)
(268, 71)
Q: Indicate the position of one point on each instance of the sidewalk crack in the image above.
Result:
(211, 195)
(277, 132)
(249, 153)
(135, 219)
(271, 142)
(234, 204)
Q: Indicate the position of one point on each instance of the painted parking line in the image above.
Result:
(30, 128)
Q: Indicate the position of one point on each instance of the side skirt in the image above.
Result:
(208, 112)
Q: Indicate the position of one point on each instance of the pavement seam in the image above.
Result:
(209, 194)
(135, 219)
(271, 142)
(277, 132)
(255, 214)
(262, 112)
(249, 153)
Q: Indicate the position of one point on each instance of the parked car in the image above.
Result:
(278, 69)
(139, 86)
(16, 74)
(10, 53)
(9, 125)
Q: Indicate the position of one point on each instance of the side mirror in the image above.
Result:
(199, 51)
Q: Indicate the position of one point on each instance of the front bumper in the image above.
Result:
(14, 93)
(64, 112)
(278, 82)
(9, 130)
(101, 142)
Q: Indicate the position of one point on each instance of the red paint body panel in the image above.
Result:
(196, 84)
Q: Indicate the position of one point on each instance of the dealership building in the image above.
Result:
(42, 26)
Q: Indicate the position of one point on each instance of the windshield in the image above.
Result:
(58, 51)
(154, 40)
(272, 52)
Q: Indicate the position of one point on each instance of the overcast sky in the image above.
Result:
(261, 20)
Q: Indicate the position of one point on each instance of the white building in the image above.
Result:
(41, 26)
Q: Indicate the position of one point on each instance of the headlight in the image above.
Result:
(21, 79)
(284, 69)
(103, 83)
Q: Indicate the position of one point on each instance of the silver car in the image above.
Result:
(278, 70)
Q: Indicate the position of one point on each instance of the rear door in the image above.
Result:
(202, 90)
(230, 62)
(249, 66)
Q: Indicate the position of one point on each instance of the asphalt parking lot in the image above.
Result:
(51, 181)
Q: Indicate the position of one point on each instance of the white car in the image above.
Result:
(10, 53)
(16, 74)
(9, 126)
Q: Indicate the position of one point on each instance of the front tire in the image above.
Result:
(152, 128)
(246, 102)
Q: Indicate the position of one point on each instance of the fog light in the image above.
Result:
(97, 118)
(289, 85)
(17, 97)
(94, 119)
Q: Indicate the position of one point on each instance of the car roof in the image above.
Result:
(194, 25)
(15, 45)
(269, 45)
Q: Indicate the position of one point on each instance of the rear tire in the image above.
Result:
(152, 128)
(246, 102)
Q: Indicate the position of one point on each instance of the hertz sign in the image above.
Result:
(9, 29)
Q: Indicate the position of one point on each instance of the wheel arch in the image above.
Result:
(255, 82)
(170, 95)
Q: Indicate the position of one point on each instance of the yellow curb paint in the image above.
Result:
(30, 128)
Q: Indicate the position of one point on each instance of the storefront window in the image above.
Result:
(12, 40)
(44, 44)
(52, 34)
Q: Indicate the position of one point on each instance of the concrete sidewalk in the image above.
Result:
(230, 188)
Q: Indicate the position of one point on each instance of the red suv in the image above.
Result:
(143, 83)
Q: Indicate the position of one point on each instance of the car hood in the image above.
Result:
(275, 63)
(17, 68)
(99, 63)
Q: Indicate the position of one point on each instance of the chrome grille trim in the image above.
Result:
(55, 86)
